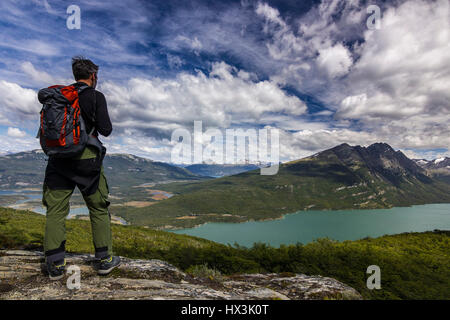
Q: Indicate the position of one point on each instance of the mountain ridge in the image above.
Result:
(438, 168)
(161, 195)
(342, 177)
(380, 158)
(27, 168)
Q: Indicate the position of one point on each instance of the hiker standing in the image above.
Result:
(72, 117)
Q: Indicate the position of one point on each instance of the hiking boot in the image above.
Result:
(56, 270)
(108, 264)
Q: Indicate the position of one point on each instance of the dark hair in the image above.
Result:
(83, 68)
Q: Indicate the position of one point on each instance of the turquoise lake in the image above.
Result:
(306, 226)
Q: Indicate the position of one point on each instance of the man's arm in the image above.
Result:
(102, 121)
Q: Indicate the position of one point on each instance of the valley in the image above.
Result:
(343, 177)
(159, 195)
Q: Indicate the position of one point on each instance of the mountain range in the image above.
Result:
(438, 168)
(26, 169)
(343, 177)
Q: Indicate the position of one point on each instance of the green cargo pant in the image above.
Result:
(57, 203)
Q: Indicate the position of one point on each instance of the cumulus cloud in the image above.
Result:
(399, 86)
(386, 85)
(16, 133)
(302, 143)
(284, 45)
(149, 110)
(36, 75)
(292, 144)
(404, 67)
(221, 98)
(135, 142)
(314, 44)
(393, 82)
(335, 60)
(16, 140)
(17, 104)
(272, 15)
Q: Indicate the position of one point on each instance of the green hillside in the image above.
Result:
(125, 174)
(123, 170)
(343, 177)
(413, 265)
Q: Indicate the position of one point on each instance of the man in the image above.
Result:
(84, 171)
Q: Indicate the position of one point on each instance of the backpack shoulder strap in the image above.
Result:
(80, 89)
(93, 115)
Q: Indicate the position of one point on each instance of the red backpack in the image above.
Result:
(62, 130)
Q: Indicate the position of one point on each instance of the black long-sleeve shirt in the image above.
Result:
(65, 173)
(94, 111)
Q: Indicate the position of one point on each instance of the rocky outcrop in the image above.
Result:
(22, 276)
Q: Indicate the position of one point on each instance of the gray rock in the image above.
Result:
(22, 277)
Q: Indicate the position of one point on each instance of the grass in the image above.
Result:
(413, 265)
(204, 271)
(25, 229)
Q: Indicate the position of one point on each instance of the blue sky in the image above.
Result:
(312, 69)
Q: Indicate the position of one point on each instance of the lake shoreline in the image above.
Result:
(283, 215)
(307, 225)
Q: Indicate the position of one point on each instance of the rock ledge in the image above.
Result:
(22, 277)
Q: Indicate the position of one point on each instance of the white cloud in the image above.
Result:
(399, 86)
(222, 98)
(17, 140)
(335, 61)
(271, 14)
(293, 144)
(302, 143)
(135, 142)
(426, 154)
(16, 132)
(36, 47)
(394, 84)
(285, 45)
(17, 104)
(41, 76)
(184, 42)
(404, 68)
(310, 52)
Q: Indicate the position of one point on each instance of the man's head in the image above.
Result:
(84, 70)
